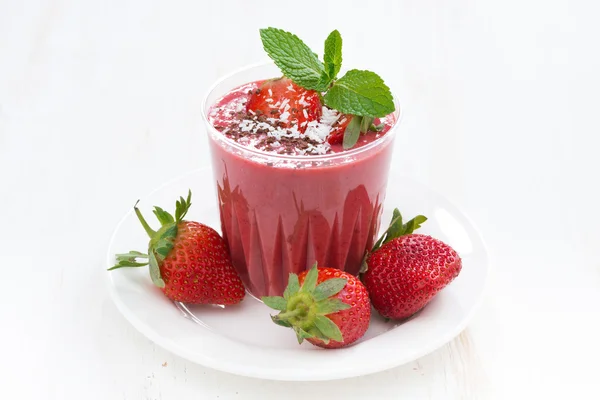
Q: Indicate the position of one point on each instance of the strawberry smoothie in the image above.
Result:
(287, 197)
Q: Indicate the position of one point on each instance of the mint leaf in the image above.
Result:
(360, 93)
(333, 54)
(295, 59)
(365, 124)
(377, 128)
(352, 132)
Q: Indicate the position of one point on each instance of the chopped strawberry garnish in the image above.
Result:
(287, 102)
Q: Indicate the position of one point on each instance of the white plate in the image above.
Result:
(243, 340)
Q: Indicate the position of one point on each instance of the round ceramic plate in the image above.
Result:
(243, 340)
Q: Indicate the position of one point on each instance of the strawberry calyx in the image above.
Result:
(394, 230)
(161, 241)
(305, 308)
(397, 228)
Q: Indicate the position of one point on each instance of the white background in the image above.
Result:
(99, 104)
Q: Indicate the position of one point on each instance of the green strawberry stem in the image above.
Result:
(161, 241)
(397, 228)
(393, 231)
(383, 235)
(288, 314)
(305, 308)
(151, 233)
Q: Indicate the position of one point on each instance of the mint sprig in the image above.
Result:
(295, 59)
(360, 93)
(333, 54)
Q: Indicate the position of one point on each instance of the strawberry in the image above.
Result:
(408, 270)
(287, 102)
(328, 307)
(336, 136)
(189, 261)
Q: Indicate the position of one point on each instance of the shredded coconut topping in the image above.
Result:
(247, 125)
(278, 131)
(303, 101)
(272, 133)
(329, 117)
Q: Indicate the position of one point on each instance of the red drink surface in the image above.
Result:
(281, 214)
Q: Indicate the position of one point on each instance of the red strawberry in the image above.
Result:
(328, 307)
(409, 269)
(189, 261)
(282, 99)
(336, 136)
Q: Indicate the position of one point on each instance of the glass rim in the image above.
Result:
(264, 154)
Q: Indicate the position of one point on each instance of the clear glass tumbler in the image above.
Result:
(281, 213)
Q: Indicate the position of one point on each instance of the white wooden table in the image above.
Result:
(99, 104)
